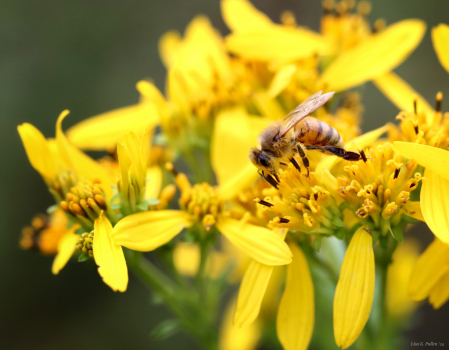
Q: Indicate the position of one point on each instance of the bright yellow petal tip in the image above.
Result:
(150, 229)
(66, 247)
(261, 244)
(402, 95)
(375, 56)
(252, 290)
(430, 267)
(440, 38)
(109, 256)
(38, 151)
(296, 313)
(242, 17)
(355, 289)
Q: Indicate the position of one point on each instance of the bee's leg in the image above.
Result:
(295, 163)
(339, 152)
(304, 158)
(269, 179)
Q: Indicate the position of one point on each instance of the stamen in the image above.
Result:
(415, 106)
(416, 129)
(438, 102)
(284, 221)
(265, 203)
(396, 173)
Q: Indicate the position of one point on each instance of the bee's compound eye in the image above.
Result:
(264, 160)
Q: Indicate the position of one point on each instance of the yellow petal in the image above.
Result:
(440, 292)
(124, 161)
(154, 182)
(252, 290)
(413, 209)
(296, 313)
(374, 56)
(355, 289)
(435, 204)
(431, 266)
(361, 141)
(398, 301)
(150, 229)
(236, 338)
(109, 256)
(151, 94)
(105, 130)
(432, 158)
(66, 247)
(282, 78)
(402, 95)
(38, 151)
(440, 38)
(186, 257)
(261, 244)
(83, 165)
(234, 133)
(168, 46)
(286, 44)
(241, 16)
(138, 169)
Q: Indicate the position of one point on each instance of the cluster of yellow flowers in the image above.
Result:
(220, 94)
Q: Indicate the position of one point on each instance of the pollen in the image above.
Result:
(200, 200)
(85, 243)
(85, 201)
(378, 191)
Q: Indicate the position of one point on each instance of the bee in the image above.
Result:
(293, 135)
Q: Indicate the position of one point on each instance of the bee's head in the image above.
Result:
(263, 160)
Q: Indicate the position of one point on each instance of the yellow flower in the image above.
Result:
(104, 131)
(200, 205)
(54, 158)
(430, 274)
(356, 55)
(399, 303)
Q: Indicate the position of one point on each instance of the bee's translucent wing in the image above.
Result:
(304, 109)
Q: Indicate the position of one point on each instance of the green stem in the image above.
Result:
(189, 312)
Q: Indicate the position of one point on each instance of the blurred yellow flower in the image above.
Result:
(399, 303)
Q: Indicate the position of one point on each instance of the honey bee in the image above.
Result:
(293, 135)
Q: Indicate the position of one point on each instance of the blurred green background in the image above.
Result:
(86, 56)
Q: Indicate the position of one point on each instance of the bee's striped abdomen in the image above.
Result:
(317, 133)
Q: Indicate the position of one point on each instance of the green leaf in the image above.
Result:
(142, 206)
(80, 231)
(165, 329)
(397, 234)
(83, 257)
(116, 206)
(52, 209)
(152, 201)
(337, 221)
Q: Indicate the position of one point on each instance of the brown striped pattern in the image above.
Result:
(313, 132)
